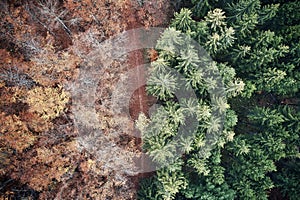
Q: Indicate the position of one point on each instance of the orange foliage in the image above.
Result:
(45, 166)
(50, 68)
(37, 142)
(14, 133)
(47, 102)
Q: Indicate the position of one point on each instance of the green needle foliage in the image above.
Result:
(162, 84)
(254, 45)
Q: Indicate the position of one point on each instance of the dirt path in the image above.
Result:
(140, 101)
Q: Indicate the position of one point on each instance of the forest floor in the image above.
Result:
(43, 47)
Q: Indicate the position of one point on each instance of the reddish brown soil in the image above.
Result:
(140, 101)
(135, 18)
(139, 97)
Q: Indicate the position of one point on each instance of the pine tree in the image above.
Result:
(255, 48)
(167, 142)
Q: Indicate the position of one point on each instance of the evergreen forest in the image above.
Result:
(254, 44)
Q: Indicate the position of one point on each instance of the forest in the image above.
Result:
(150, 100)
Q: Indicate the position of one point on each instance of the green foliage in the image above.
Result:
(183, 20)
(215, 19)
(148, 189)
(203, 6)
(209, 191)
(170, 40)
(255, 48)
(247, 169)
(209, 182)
(288, 179)
(251, 157)
(170, 182)
(266, 116)
(166, 142)
(162, 85)
(188, 59)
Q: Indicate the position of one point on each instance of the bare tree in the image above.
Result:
(49, 14)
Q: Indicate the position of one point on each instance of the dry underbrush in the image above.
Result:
(43, 45)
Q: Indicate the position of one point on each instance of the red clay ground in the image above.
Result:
(140, 101)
